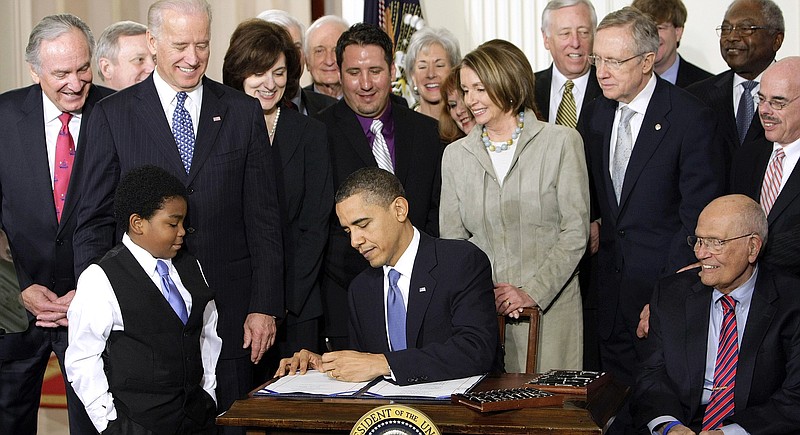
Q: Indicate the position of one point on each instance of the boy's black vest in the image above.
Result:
(153, 367)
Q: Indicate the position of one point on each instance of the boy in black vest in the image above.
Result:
(143, 345)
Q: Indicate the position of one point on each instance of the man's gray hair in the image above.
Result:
(50, 28)
(108, 43)
(283, 19)
(643, 29)
(553, 5)
(319, 22)
(155, 15)
(753, 220)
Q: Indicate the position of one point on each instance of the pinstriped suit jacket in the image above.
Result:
(233, 224)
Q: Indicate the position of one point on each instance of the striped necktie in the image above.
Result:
(567, 111)
(379, 147)
(770, 188)
(721, 404)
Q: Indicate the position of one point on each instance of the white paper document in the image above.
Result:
(314, 383)
(430, 390)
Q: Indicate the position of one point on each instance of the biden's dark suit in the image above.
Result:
(233, 224)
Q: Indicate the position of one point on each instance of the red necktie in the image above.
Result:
(772, 181)
(65, 155)
(721, 404)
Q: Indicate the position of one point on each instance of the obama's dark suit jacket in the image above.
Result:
(451, 326)
(418, 158)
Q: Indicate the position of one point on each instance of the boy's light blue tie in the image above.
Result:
(171, 292)
(395, 313)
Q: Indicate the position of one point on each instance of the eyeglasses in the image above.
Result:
(726, 30)
(610, 63)
(714, 246)
(776, 105)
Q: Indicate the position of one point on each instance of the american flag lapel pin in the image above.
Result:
(217, 118)
(422, 289)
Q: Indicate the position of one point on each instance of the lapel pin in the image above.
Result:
(422, 289)
(658, 127)
(217, 118)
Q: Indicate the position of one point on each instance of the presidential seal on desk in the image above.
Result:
(394, 420)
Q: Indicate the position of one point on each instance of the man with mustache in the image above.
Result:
(764, 170)
(44, 143)
(750, 35)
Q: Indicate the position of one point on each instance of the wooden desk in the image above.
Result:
(285, 415)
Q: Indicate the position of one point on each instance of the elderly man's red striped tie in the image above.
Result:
(721, 404)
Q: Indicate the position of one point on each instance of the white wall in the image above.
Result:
(519, 21)
(472, 21)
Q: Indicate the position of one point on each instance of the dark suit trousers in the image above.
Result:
(234, 381)
(125, 426)
(21, 386)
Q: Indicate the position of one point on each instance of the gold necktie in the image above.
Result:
(567, 112)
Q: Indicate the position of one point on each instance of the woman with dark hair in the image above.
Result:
(518, 189)
(263, 62)
(455, 120)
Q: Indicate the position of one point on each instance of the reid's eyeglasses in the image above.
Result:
(714, 246)
(726, 30)
(610, 63)
(776, 105)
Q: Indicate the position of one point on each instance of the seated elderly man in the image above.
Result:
(425, 310)
(723, 355)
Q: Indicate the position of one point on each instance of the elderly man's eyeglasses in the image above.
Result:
(610, 63)
(726, 30)
(714, 246)
(776, 105)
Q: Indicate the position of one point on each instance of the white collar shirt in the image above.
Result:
(405, 265)
(52, 125)
(639, 105)
(557, 92)
(168, 98)
(738, 91)
(792, 152)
